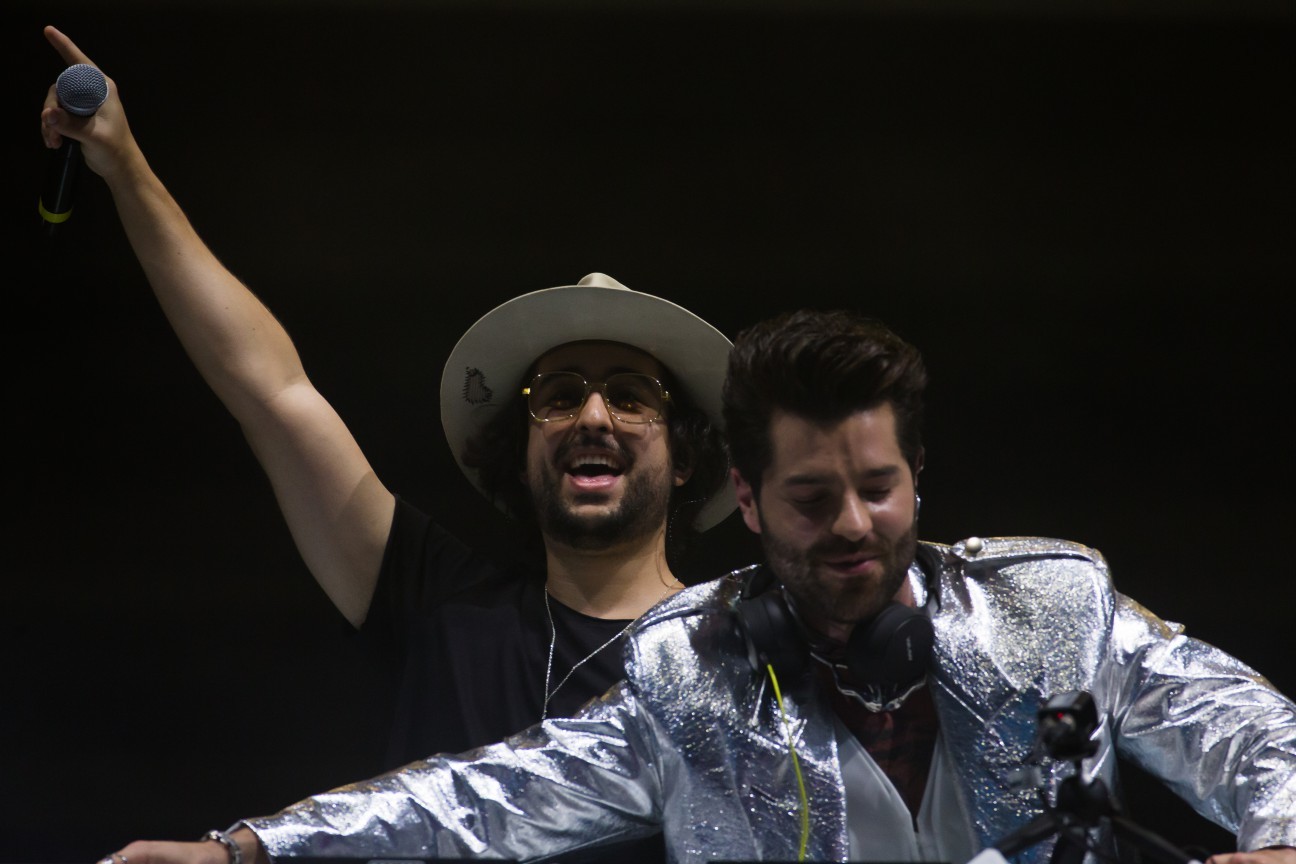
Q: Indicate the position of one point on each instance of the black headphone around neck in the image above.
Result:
(890, 650)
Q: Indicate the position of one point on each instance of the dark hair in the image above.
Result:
(497, 452)
(823, 366)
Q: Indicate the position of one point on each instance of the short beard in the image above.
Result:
(643, 510)
(794, 568)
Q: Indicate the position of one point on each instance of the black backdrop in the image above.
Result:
(1084, 218)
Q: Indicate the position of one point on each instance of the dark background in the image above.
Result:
(1083, 216)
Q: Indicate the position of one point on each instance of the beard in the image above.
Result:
(644, 505)
(826, 601)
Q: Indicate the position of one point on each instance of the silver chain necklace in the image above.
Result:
(553, 637)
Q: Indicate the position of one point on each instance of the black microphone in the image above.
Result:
(81, 89)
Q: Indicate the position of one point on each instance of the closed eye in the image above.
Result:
(810, 505)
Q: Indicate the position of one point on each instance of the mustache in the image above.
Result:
(587, 441)
(838, 547)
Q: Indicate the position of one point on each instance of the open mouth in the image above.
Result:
(594, 471)
(595, 466)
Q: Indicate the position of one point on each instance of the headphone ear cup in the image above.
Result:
(771, 636)
(893, 649)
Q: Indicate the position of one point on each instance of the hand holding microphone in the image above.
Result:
(80, 90)
(83, 112)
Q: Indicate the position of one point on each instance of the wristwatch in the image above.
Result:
(235, 853)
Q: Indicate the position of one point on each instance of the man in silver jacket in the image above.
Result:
(771, 715)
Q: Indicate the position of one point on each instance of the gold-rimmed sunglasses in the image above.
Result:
(631, 397)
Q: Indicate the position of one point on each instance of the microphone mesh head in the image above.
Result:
(81, 89)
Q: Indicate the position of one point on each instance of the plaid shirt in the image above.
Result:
(901, 742)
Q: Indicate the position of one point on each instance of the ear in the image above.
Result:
(682, 473)
(681, 457)
(918, 464)
(747, 504)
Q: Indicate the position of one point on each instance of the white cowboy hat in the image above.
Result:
(485, 368)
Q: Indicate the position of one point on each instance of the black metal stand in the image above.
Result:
(1067, 724)
(1081, 807)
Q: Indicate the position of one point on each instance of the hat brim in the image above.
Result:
(486, 367)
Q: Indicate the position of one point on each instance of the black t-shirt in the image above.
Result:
(471, 638)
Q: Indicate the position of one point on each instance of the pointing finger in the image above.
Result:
(66, 48)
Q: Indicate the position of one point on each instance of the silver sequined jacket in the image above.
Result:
(692, 742)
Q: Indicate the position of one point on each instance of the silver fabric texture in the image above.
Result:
(693, 744)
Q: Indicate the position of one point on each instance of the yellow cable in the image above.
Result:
(796, 766)
(53, 218)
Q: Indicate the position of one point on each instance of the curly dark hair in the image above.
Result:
(497, 452)
(823, 366)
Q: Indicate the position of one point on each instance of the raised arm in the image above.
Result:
(338, 511)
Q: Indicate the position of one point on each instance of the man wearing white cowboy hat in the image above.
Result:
(588, 404)
(584, 409)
